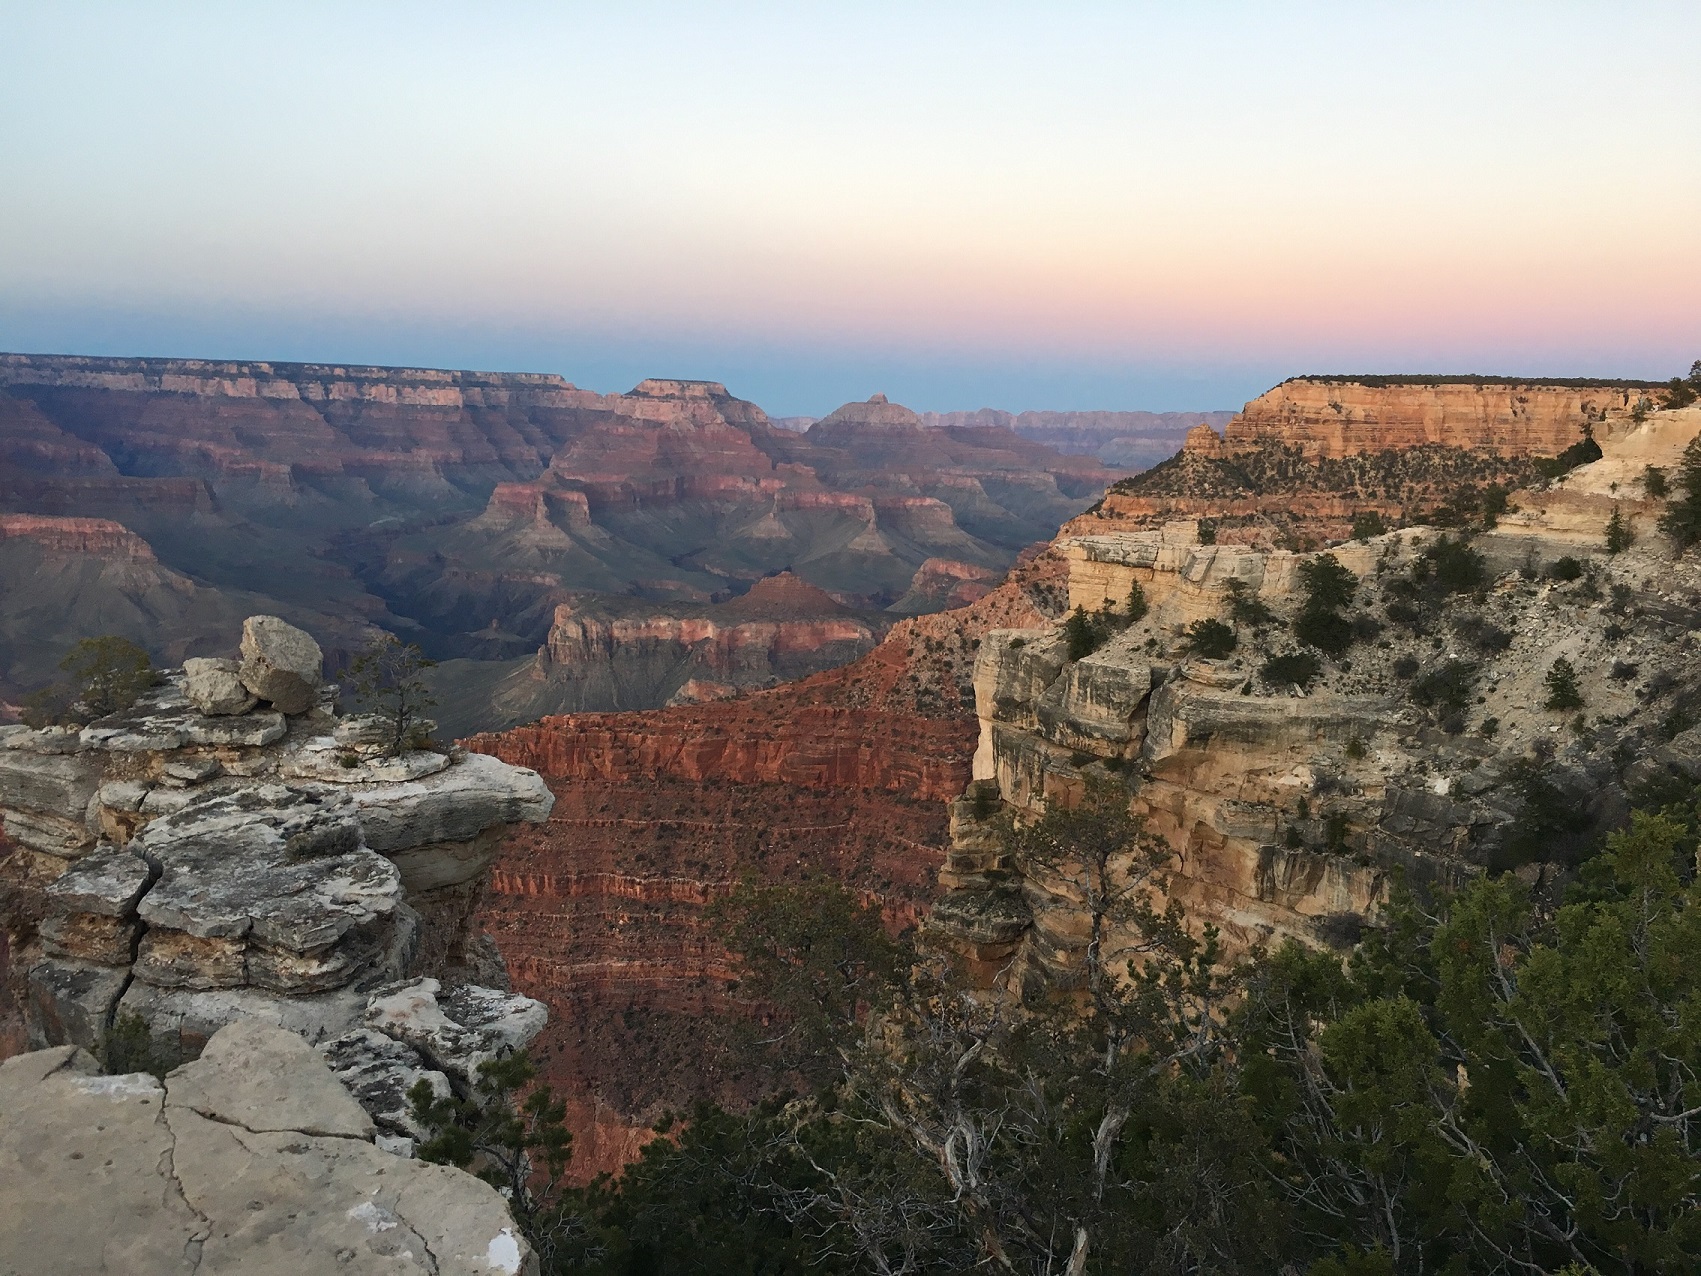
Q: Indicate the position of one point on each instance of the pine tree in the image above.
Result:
(1682, 519)
(1620, 536)
(1562, 689)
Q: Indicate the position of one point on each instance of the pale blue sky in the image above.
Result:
(1042, 205)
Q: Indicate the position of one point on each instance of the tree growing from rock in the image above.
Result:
(103, 675)
(512, 1133)
(1682, 519)
(389, 683)
(1210, 638)
(1562, 689)
(1620, 536)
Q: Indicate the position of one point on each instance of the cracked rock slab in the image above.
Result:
(266, 1079)
(123, 1176)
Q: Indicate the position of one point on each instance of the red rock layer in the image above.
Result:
(600, 911)
(96, 536)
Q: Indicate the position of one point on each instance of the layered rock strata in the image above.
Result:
(1287, 812)
(599, 912)
(193, 869)
(1340, 416)
(252, 1158)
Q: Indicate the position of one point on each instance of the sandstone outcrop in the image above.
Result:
(251, 1159)
(194, 870)
(1287, 812)
(1339, 416)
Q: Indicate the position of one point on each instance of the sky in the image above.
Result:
(1046, 205)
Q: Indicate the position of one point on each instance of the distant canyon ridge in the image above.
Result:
(557, 550)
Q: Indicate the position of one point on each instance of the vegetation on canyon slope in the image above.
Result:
(1488, 1082)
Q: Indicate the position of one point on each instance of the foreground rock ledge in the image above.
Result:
(252, 1159)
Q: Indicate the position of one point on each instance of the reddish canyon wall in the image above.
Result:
(600, 912)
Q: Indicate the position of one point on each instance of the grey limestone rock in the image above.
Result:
(252, 730)
(453, 805)
(251, 1160)
(379, 1071)
(280, 664)
(212, 686)
(264, 1078)
(461, 1030)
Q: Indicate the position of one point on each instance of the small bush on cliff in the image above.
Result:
(1620, 536)
(513, 1134)
(1291, 669)
(1210, 638)
(1368, 523)
(389, 682)
(1083, 634)
(1246, 608)
(103, 675)
(1447, 688)
(1654, 483)
(1137, 605)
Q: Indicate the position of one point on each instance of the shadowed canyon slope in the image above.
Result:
(465, 510)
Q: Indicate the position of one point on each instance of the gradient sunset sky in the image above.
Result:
(1020, 205)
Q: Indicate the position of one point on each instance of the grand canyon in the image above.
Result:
(779, 657)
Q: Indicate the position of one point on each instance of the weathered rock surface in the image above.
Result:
(1284, 811)
(379, 1071)
(194, 884)
(460, 1031)
(280, 664)
(213, 686)
(253, 1159)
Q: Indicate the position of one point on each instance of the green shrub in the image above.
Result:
(1328, 631)
(1682, 519)
(1207, 531)
(1367, 524)
(1565, 568)
(1291, 669)
(1405, 667)
(104, 675)
(1447, 688)
(1654, 483)
(1137, 605)
(1246, 608)
(1562, 689)
(1210, 638)
(1449, 566)
(1494, 504)
(1327, 584)
(1082, 634)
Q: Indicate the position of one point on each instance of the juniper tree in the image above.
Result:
(1562, 689)
(389, 683)
(1620, 536)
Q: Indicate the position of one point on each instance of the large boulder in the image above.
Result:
(214, 686)
(280, 664)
